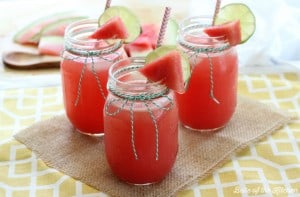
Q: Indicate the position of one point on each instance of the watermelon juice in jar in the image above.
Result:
(84, 71)
(211, 95)
(140, 124)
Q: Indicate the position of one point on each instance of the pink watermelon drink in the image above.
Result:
(210, 98)
(141, 125)
(84, 71)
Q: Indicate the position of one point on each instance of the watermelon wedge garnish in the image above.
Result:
(129, 19)
(230, 31)
(112, 29)
(168, 69)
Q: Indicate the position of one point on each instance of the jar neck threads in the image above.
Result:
(124, 81)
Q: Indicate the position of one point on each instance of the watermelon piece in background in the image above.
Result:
(56, 28)
(51, 45)
(25, 35)
(145, 43)
(149, 37)
(150, 31)
(167, 69)
(112, 29)
(231, 31)
(139, 48)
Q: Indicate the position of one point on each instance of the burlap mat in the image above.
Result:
(82, 157)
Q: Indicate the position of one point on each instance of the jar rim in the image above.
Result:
(130, 88)
(77, 41)
(137, 62)
(192, 36)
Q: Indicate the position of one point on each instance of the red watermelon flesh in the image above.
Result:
(51, 45)
(139, 48)
(167, 69)
(112, 29)
(231, 31)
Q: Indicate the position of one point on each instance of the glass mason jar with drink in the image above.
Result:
(211, 95)
(84, 70)
(140, 123)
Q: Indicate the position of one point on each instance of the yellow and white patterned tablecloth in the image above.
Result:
(269, 168)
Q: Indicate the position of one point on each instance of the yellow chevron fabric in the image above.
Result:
(269, 168)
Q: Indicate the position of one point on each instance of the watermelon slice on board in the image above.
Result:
(169, 66)
(29, 34)
(230, 30)
(56, 28)
(51, 45)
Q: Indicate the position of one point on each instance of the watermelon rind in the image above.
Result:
(37, 26)
(54, 25)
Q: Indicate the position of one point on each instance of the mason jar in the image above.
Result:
(211, 95)
(140, 125)
(84, 70)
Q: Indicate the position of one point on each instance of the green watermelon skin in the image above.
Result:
(30, 34)
(56, 28)
(112, 29)
(231, 31)
(166, 69)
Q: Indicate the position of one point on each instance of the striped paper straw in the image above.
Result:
(163, 26)
(107, 5)
(217, 9)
